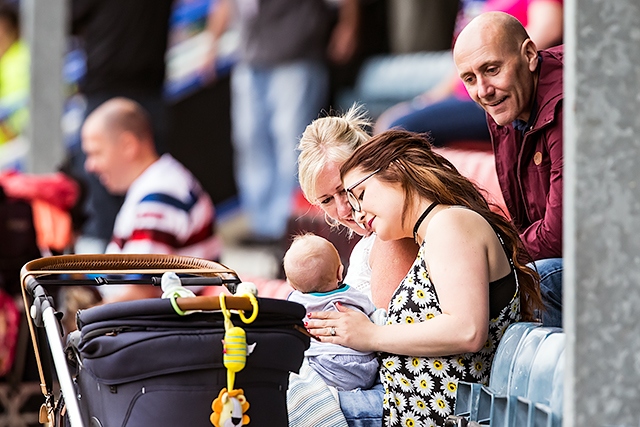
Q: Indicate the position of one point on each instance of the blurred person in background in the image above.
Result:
(125, 43)
(278, 87)
(14, 75)
(165, 210)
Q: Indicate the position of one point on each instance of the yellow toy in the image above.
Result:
(229, 409)
(230, 406)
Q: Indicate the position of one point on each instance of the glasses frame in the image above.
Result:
(351, 198)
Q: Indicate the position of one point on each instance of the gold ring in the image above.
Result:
(332, 331)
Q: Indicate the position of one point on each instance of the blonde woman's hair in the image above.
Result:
(329, 139)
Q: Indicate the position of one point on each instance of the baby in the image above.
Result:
(313, 268)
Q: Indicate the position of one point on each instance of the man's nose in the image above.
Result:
(485, 88)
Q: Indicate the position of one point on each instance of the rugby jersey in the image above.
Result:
(166, 211)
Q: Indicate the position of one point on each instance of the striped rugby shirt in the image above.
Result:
(166, 211)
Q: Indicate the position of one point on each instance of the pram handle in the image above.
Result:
(125, 264)
(193, 281)
(100, 280)
(231, 302)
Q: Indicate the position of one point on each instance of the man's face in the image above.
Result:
(500, 79)
(104, 157)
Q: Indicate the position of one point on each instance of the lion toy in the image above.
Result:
(229, 409)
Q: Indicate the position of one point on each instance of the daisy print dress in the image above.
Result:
(421, 391)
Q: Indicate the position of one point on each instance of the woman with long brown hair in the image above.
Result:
(468, 283)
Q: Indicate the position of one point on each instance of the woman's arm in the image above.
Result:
(218, 20)
(344, 37)
(390, 262)
(457, 254)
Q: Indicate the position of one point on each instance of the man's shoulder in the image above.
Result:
(556, 52)
(550, 84)
(552, 63)
(167, 173)
(551, 72)
(168, 182)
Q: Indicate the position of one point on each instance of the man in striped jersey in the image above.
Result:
(165, 211)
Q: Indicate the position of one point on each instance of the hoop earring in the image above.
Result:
(332, 222)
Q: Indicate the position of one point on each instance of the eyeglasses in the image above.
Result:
(353, 200)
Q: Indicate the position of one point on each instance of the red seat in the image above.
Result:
(474, 159)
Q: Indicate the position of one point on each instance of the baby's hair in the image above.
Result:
(311, 264)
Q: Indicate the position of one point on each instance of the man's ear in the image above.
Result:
(128, 144)
(340, 271)
(529, 51)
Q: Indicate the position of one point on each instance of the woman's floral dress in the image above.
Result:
(421, 391)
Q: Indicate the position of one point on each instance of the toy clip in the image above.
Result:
(230, 406)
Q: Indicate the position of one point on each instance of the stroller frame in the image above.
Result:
(74, 270)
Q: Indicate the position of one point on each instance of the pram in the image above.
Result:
(142, 363)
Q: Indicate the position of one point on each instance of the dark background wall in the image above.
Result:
(200, 137)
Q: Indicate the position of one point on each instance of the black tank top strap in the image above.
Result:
(501, 291)
(504, 248)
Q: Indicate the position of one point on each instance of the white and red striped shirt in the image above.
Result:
(166, 211)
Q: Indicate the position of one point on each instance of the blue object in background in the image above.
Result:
(187, 48)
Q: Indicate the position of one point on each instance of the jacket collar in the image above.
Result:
(550, 87)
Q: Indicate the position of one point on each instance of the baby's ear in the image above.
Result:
(340, 271)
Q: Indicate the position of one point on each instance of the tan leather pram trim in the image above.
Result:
(123, 263)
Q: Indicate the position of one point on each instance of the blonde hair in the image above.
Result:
(311, 264)
(329, 139)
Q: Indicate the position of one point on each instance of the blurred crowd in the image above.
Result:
(285, 63)
(289, 63)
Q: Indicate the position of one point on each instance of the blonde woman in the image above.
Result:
(376, 267)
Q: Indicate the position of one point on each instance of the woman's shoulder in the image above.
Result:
(452, 220)
(359, 271)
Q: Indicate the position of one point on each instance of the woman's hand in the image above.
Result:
(346, 327)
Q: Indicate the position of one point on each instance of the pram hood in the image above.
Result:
(134, 340)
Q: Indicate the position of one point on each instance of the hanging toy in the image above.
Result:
(230, 406)
(229, 409)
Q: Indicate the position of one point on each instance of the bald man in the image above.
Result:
(520, 88)
(165, 210)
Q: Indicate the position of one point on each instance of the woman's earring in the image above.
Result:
(332, 222)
